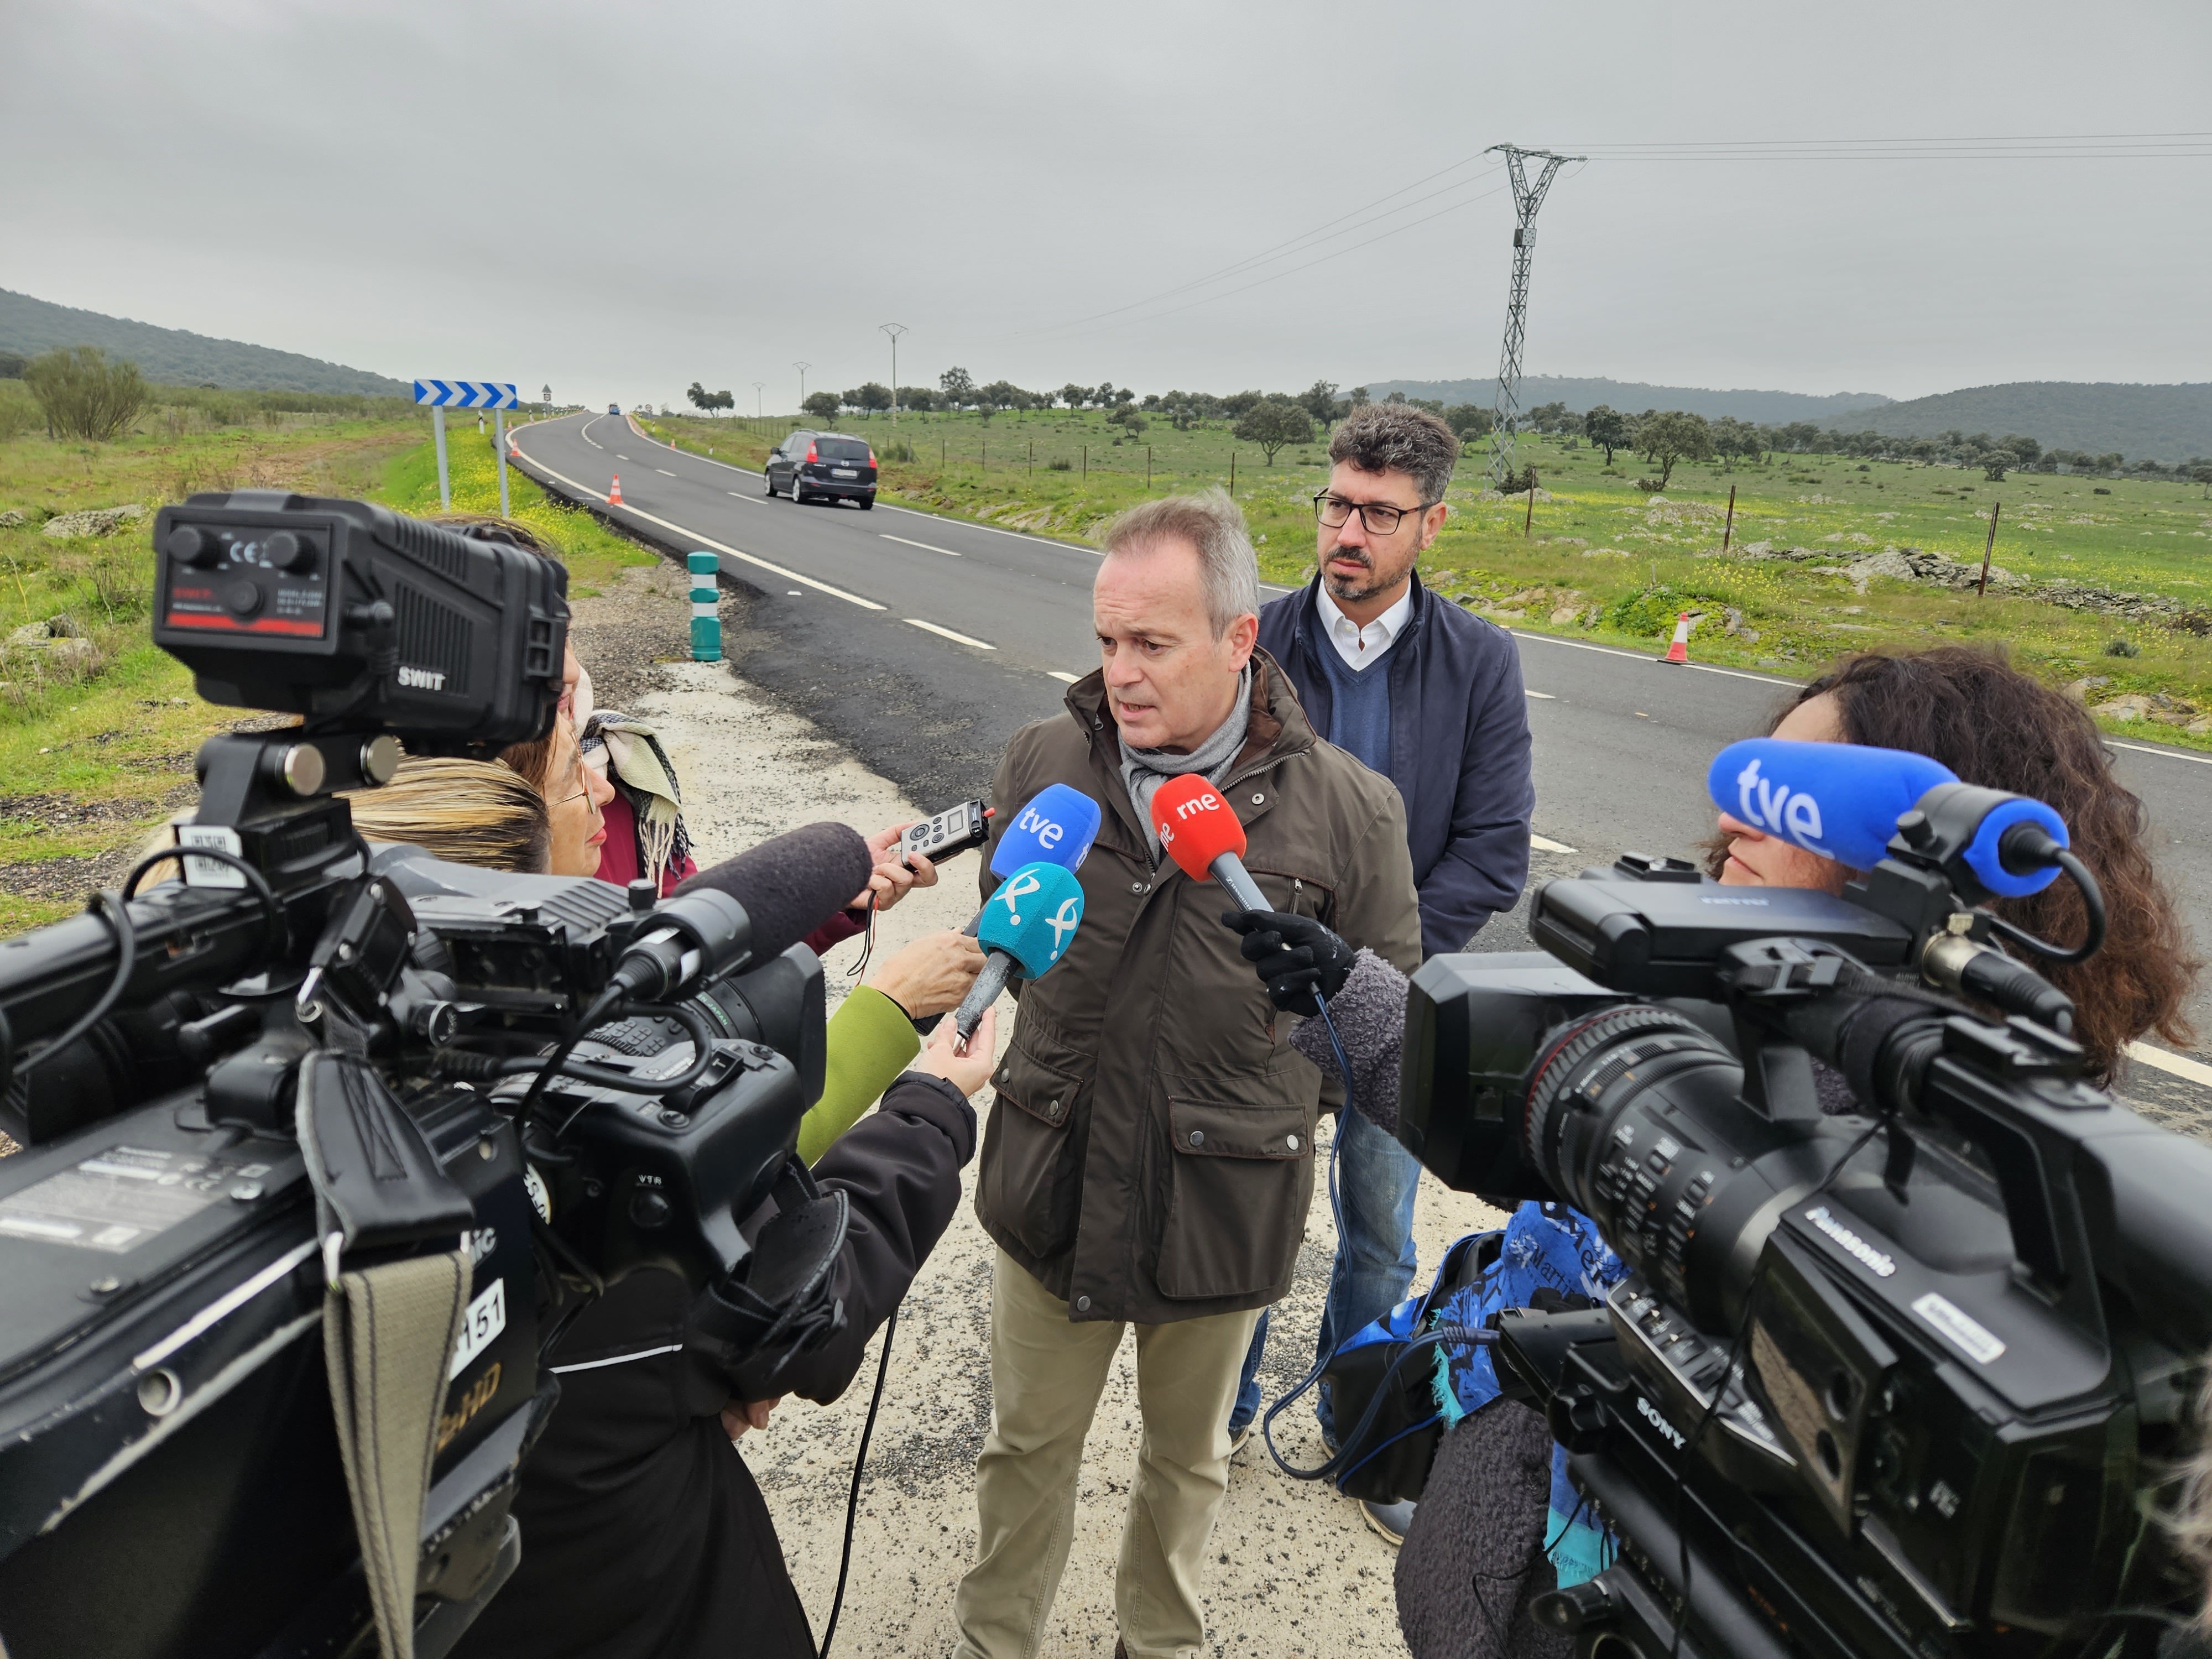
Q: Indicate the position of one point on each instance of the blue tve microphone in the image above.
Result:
(1025, 928)
(1842, 801)
(1056, 827)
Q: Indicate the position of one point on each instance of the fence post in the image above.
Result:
(1086, 462)
(706, 620)
(1727, 530)
(1232, 475)
(1148, 469)
(1987, 548)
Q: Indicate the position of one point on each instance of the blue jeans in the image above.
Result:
(1377, 1179)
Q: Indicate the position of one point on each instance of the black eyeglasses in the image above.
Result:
(1380, 518)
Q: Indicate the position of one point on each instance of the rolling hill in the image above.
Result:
(2165, 423)
(177, 357)
(1634, 396)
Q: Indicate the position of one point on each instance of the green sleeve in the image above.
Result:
(870, 1041)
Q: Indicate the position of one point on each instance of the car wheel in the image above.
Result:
(767, 483)
(798, 494)
(866, 502)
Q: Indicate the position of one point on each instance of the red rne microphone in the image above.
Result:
(1202, 836)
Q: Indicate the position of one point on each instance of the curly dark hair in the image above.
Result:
(1996, 727)
(1398, 438)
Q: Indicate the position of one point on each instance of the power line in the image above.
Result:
(2083, 146)
(1303, 242)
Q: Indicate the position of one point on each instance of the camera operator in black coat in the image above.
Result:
(643, 1533)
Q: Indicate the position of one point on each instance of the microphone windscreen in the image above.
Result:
(791, 885)
(1194, 825)
(1840, 800)
(1033, 916)
(1056, 827)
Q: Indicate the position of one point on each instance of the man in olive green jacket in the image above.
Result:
(1149, 1158)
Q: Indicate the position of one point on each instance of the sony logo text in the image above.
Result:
(1649, 1413)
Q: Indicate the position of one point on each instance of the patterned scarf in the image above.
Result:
(639, 767)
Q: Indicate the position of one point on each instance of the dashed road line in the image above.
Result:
(962, 639)
(924, 546)
(1545, 844)
(664, 473)
(2167, 753)
(1065, 679)
(1545, 696)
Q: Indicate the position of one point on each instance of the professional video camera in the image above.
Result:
(1901, 1381)
(304, 1061)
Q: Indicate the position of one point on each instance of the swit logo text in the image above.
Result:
(423, 679)
(1777, 810)
(1649, 1413)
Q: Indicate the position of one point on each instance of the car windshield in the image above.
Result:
(841, 449)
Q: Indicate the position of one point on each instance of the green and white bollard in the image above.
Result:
(706, 621)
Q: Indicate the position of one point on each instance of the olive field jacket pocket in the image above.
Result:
(1030, 1178)
(1240, 1180)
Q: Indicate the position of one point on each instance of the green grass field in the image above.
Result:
(92, 753)
(1600, 561)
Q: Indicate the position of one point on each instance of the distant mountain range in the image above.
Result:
(176, 357)
(2165, 423)
(1634, 396)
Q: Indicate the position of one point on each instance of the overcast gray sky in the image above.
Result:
(618, 199)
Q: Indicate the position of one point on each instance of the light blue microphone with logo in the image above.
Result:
(1057, 827)
(1025, 928)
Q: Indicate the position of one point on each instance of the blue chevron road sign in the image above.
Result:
(465, 394)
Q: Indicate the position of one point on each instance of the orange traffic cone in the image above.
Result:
(614, 496)
(1679, 652)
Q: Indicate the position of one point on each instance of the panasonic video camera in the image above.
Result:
(170, 1478)
(1899, 1380)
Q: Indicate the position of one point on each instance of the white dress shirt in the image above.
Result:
(1359, 646)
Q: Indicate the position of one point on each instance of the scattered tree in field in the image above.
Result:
(920, 399)
(1319, 400)
(1000, 394)
(1607, 427)
(1670, 438)
(1469, 421)
(2026, 449)
(1994, 463)
(1105, 394)
(871, 397)
(704, 399)
(13, 363)
(1074, 396)
(1272, 422)
(82, 395)
(2202, 473)
(1359, 396)
(821, 405)
(1125, 417)
(1732, 438)
(1800, 434)
(958, 387)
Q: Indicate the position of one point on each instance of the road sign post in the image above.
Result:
(497, 396)
(706, 617)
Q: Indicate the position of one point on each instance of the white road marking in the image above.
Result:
(2179, 1065)
(1545, 696)
(1638, 656)
(664, 473)
(1065, 680)
(622, 457)
(1545, 844)
(735, 497)
(963, 639)
(719, 547)
(2169, 754)
(924, 546)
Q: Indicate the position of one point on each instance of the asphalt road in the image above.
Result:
(924, 643)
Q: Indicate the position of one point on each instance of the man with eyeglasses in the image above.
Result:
(1431, 697)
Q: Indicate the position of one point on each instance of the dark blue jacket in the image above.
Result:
(1459, 751)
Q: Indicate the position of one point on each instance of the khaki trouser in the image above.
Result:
(1046, 1372)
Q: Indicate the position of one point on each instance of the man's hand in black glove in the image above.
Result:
(1296, 956)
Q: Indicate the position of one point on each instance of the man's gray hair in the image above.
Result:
(1228, 569)
(1398, 438)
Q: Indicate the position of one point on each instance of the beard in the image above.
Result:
(1372, 579)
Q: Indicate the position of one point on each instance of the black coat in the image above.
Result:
(643, 1533)
(1459, 751)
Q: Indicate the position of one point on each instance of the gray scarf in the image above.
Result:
(1143, 770)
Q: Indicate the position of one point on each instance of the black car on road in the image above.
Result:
(828, 465)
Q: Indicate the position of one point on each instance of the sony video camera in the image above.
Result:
(305, 1056)
(1896, 1380)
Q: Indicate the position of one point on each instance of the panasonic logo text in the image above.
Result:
(423, 679)
(1777, 811)
(1875, 1262)
(1649, 1413)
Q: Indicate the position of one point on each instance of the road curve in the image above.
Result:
(926, 642)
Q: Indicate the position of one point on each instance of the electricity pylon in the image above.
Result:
(1526, 201)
